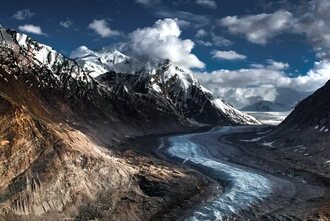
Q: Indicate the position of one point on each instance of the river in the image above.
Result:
(249, 193)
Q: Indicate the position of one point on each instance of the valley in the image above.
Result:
(105, 135)
(256, 187)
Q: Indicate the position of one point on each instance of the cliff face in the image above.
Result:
(52, 171)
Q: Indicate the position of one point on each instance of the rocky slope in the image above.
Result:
(50, 171)
(303, 138)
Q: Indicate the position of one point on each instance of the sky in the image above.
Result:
(243, 51)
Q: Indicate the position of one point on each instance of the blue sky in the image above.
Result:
(235, 35)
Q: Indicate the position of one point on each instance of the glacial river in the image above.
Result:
(248, 194)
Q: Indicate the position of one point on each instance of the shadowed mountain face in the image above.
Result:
(56, 120)
(304, 136)
(311, 116)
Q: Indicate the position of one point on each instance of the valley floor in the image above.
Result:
(291, 162)
(256, 187)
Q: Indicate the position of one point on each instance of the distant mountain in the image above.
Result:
(266, 106)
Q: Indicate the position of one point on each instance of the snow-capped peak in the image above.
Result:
(42, 55)
(163, 77)
(99, 62)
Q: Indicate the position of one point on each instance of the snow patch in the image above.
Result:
(156, 88)
(268, 144)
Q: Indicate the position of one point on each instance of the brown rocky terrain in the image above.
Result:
(51, 171)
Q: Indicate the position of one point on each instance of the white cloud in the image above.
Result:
(148, 2)
(207, 3)
(66, 23)
(228, 55)
(272, 65)
(23, 14)
(31, 29)
(314, 78)
(310, 18)
(102, 28)
(201, 33)
(80, 52)
(277, 65)
(162, 41)
(259, 28)
(243, 86)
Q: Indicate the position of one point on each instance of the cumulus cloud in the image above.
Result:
(277, 65)
(23, 14)
(31, 29)
(227, 55)
(102, 28)
(207, 3)
(265, 81)
(259, 28)
(309, 18)
(162, 41)
(273, 65)
(66, 23)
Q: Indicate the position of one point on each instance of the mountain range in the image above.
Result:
(62, 118)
